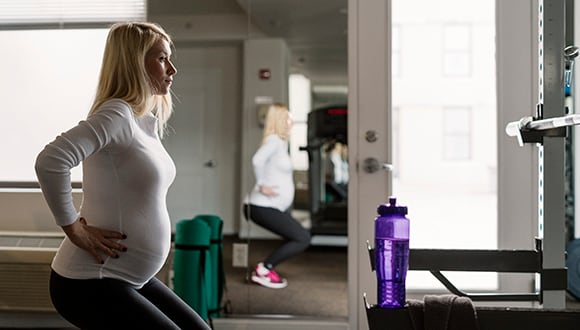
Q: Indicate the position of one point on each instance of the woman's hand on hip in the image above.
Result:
(95, 240)
(268, 190)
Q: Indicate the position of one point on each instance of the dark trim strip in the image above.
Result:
(191, 247)
(32, 184)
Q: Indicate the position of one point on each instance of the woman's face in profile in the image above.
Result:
(159, 67)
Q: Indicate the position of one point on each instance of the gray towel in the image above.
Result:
(443, 312)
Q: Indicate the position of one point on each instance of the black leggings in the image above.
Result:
(114, 304)
(281, 223)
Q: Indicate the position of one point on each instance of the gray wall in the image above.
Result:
(259, 54)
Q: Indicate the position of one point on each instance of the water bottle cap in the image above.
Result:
(392, 208)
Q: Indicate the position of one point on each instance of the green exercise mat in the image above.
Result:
(191, 264)
(217, 274)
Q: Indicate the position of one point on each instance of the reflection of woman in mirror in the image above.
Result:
(269, 202)
(336, 183)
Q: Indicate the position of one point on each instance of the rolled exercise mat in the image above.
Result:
(217, 274)
(573, 265)
(191, 264)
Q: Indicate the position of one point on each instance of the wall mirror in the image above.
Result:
(210, 37)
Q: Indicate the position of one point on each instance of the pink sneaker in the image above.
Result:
(268, 277)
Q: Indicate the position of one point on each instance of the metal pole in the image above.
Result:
(552, 154)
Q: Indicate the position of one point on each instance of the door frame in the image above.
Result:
(369, 68)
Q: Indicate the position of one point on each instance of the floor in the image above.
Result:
(317, 291)
(317, 282)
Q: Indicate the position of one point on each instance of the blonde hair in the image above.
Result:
(123, 73)
(277, 122)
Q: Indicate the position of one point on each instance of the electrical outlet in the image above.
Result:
(240, 255)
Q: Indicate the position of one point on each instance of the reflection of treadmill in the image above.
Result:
(328, 215)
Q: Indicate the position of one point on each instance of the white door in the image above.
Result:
(200, 140)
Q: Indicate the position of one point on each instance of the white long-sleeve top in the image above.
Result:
(273, 168)
(126, 175)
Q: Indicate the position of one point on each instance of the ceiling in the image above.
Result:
(314, 30)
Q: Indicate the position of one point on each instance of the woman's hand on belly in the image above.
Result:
(94, 240)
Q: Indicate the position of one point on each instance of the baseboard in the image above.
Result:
(278, 322)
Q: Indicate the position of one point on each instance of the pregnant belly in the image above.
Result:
(147, 251)
(137, 265)
(286, 198)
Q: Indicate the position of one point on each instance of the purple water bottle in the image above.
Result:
(391, 253)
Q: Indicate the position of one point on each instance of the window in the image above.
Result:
(396, 51)
(396, 136)
(299, 105)
(50, 73)
(59, 12)
(456, 50)
(52, 77)
(446, 166)
(456, 134)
